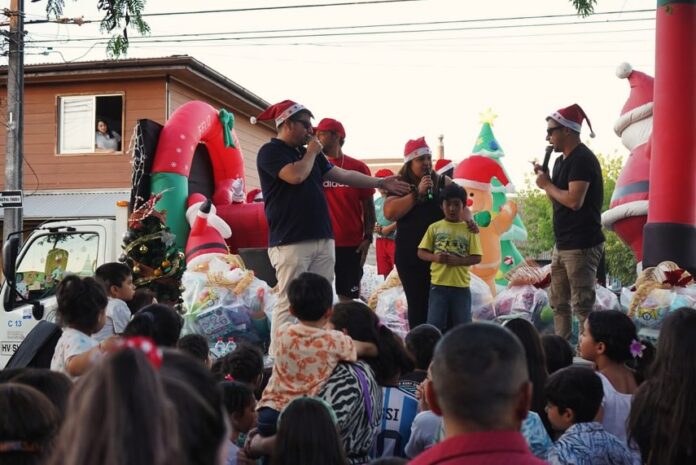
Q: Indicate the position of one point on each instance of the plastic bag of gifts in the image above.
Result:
(605, 299)
(369, 282)
(658, 291)
(389, 302)
(482, 307)
(525, 295)
(223, 299)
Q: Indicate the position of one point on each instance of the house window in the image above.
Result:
(90, 123)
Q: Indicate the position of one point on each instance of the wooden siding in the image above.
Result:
(142, 98)
(251, 137)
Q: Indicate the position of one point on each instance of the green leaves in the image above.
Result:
(119, 16)
(584, 7)
(536, 211)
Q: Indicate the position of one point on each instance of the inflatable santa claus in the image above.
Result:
(628, 210)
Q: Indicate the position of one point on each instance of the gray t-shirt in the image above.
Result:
(107, 143)
(118, 316)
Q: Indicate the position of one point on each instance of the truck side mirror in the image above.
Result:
(10, 250)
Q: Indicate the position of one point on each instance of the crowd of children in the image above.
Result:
(343, 389)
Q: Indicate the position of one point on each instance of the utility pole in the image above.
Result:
(15, 115)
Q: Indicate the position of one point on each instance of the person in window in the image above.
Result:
(106, 139)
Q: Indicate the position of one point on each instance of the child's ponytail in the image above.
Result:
(80, 302)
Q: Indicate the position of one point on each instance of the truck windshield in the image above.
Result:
(50, 256)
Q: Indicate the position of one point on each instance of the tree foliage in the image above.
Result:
(584, 7)
(119, 17)
(536, 212)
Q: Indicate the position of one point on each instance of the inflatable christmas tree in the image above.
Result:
(487, 146)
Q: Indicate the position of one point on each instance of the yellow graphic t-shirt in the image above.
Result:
(456, 239)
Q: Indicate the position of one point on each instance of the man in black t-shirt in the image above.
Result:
(576, 191)
(291, 176)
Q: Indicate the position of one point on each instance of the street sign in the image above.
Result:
(10, 199)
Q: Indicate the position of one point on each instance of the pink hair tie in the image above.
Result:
(229, 377)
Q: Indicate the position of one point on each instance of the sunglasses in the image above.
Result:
(305, 124)
(549, 131)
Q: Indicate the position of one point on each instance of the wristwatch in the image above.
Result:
(380, 183)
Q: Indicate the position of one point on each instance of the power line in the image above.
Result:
(281, 7)
(205, 37)
(229, 10)
(400, 41)
(386, 25)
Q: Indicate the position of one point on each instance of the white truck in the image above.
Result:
(32, 272)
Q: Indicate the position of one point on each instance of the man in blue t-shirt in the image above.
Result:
(292, 175)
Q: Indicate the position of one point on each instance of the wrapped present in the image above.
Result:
(605, 299)
(525, 296)
(392, 280)
(529, 273)
(521, 300)
(392, 310)
(370, 282)
(482, 307)
(658, 291)
(223, 299)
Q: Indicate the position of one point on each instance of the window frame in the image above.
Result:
(10, 304)
(60, 99)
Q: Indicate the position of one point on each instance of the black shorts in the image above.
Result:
(348, 272)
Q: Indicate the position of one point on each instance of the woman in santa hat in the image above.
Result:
(413, 213)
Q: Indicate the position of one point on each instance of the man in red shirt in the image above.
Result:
(478, 383)
(352, 212)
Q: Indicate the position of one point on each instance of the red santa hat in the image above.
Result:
(384, 173)
(571, 117)
(443, 165)
(416, 148)
(204, 238)
(195, 201)
(477, 172)
(254, 195)
(280, 112)
(640, 102)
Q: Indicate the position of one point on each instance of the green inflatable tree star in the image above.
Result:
(487, 146)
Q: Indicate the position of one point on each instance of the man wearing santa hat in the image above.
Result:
(300, 234)
(576, 190)
(352, 212)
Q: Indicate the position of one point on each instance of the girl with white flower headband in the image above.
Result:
(609, 340)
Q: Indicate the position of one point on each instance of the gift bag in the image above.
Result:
(392, 310)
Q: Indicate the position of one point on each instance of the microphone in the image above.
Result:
(547, 156)
(429, 192)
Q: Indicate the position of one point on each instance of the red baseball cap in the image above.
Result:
(332, 125)
(384, 173)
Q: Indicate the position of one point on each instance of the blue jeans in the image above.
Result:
(449, 306)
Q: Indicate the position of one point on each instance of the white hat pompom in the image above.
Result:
(252, 120)
(624, 70)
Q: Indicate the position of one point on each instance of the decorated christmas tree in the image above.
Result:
(150, 251)
(487, 146)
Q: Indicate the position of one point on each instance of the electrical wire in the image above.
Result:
(204, 37)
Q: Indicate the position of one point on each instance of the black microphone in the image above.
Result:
(429, 192)
(547, 156)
